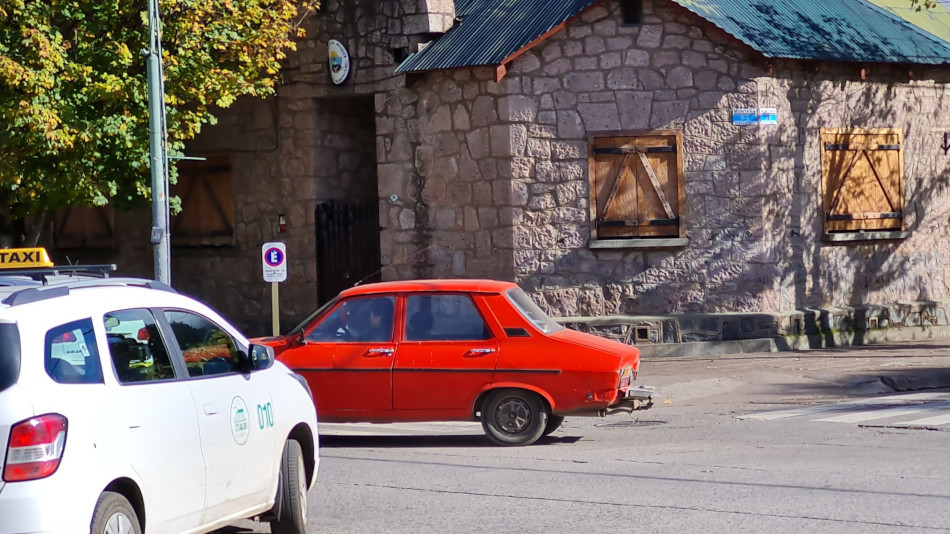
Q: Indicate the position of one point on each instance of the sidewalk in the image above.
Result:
(863, 370)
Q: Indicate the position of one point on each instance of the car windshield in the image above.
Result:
(303, 324)
(531, 311)
(9, 355)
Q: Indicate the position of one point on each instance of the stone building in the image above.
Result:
(655, 170)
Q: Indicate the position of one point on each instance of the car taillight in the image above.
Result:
(35, 448)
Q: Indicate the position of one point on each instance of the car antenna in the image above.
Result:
(374, 273)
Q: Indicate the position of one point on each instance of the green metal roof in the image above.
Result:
(489, 32)
(835, 30)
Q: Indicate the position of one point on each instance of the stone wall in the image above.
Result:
(753, 193)
(482, 179)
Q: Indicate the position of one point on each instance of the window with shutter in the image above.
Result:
(84, 227)
(636, 186)
(862, 173)
(207, 203)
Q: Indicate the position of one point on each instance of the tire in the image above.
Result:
(114, 515)
(513, 417)
(554, 422)
(291, 492)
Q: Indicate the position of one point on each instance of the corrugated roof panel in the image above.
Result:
(935, 21)
(466, 7)
(837, 30)
(491, 30)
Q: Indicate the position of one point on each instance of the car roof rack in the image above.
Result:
(42, 274)
(36, 294)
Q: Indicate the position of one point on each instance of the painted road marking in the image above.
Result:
(935, 405)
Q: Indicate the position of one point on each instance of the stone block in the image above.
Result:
(569, 125)
(584, 81)
(634, 109)
(636, 58)
(669, 114)
(650, 36)
(479, 144)
(622, 78)
(599, 117)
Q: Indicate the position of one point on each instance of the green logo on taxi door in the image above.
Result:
(265, 415)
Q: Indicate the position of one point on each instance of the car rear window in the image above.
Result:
(523, 303)
(9, 355)
(71, 354)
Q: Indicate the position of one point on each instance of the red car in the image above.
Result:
(457, 350)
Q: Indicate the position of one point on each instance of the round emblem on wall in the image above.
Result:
(339, 61)
(240, 422)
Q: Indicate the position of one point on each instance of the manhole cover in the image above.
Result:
(627, 424)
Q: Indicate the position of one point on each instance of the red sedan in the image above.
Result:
(457, 350)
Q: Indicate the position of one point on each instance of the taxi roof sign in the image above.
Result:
(24, 258)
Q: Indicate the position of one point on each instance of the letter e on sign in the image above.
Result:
(274, 260)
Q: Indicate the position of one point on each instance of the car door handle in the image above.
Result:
(480, 352)
(380, 352)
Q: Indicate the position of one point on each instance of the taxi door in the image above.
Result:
(235, 416)
(447, 355)
(347, 359)
(153, 406)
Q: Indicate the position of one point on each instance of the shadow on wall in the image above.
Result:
(755, 216)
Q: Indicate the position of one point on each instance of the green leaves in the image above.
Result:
(73, 99)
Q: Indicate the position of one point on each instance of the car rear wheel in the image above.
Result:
(291, 492)
(512, 417)
(554, 423)
(114, 515)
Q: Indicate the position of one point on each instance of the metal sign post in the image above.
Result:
(274, 261)
(157, 147)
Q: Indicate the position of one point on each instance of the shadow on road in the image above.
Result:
(336, 441)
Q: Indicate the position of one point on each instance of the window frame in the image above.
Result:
(160, 328)
(471, 299)
(866, 225)
(174, 346)
(191, 175)
(601, 144)
(89, 341)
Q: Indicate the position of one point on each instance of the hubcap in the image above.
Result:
(513, 415)
(119, 523)
(302, 489)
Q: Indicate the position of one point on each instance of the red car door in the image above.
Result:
(347, 358)
(446, 357)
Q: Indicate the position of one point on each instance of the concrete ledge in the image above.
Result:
(711, 334)
(640, 243)
(865, 236)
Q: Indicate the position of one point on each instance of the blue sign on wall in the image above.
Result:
(745, 116)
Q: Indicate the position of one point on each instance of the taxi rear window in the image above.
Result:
(9, 355)
(71, 354)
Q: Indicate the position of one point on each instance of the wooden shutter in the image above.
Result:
(637, 185)
(862, 180)
(207, 203)
(84, 227)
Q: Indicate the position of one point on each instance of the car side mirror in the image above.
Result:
(260, 357)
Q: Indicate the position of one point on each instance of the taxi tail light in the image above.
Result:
(35, 448)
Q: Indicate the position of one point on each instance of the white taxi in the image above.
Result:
(127, 408)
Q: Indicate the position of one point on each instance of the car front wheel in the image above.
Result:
(512, 417)
(291, 492)
(114, 515)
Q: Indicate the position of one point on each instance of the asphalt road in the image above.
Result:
(720, 452)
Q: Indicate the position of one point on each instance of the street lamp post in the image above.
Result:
(157, 148)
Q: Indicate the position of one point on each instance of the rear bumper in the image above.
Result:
(633, 398)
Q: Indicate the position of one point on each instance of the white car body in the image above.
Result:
(190, 453)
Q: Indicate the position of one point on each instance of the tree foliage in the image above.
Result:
(73, 90)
